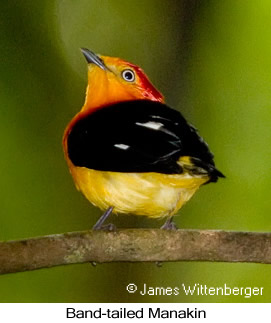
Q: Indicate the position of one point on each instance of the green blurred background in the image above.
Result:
(211, 60)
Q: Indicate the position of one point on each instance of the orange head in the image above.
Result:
(113, 80)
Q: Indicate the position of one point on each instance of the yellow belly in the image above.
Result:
(150, 194)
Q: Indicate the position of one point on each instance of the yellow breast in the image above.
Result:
(151, 194)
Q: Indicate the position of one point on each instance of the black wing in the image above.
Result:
(137, 136)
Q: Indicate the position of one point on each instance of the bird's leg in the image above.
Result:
(99, 224)
(169, 224)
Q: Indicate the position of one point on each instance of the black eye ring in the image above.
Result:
(128, 75)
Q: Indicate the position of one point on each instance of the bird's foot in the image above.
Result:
(169, 225)
(99, 225)
(108, 227)
(104, 227)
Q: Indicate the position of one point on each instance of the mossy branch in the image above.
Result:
(134, 245)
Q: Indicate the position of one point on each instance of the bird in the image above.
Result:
(127, 151)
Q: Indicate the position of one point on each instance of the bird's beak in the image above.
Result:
(94, 59)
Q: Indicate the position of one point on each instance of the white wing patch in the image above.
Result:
(157, 126)
(151, 125)
(121, 146)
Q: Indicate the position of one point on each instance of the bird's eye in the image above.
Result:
(128, 75)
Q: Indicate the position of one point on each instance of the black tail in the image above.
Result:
(210, 168)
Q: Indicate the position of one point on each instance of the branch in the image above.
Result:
(134, 245)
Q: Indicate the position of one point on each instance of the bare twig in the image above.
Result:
(135, 245)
